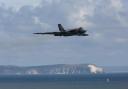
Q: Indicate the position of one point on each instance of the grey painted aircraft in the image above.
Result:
(71, 32)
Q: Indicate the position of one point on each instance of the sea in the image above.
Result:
(98, 81)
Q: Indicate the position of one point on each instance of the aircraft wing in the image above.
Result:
(49, 33)
(45, 33)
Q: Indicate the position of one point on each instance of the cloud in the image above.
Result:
(106, 22)
(117, 4)
(121, 40)
(16, 5)
(119, 9)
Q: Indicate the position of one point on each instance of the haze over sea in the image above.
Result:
(99, 81)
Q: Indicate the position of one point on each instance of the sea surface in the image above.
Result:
(102, 81)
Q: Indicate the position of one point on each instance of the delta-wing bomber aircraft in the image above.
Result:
(71, 32)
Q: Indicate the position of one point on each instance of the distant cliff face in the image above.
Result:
(61, 69)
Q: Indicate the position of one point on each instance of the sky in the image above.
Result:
(105, 20)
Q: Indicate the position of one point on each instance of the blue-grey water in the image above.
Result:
(103, 81)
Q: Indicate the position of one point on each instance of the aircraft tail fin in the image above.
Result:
(61, 28)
